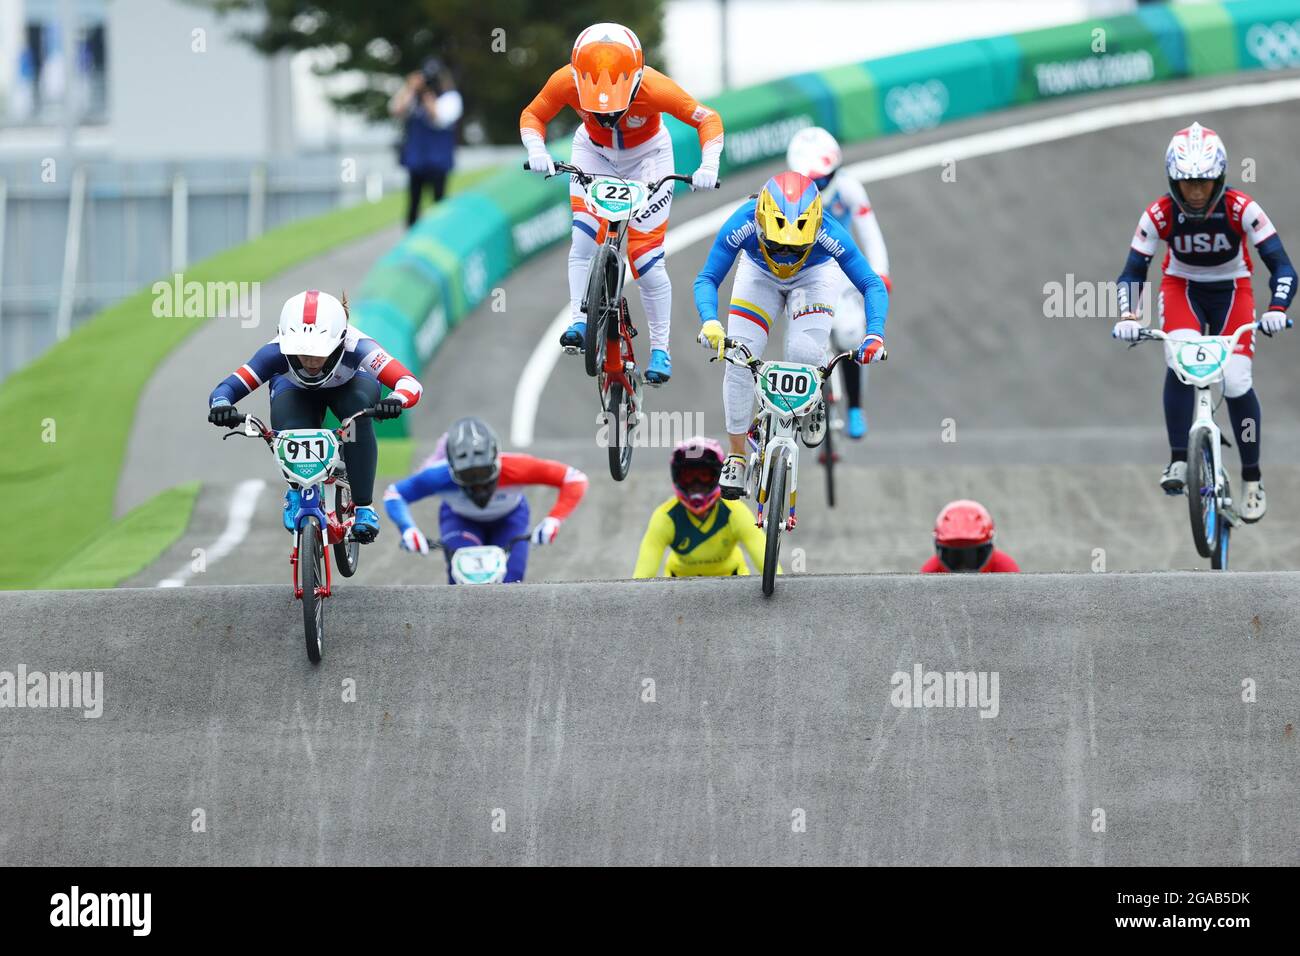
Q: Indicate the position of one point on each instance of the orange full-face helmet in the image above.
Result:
(607, 66)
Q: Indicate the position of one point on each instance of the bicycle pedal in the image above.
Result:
(572, 349)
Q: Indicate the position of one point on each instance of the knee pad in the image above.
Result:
(808, 347)
(1238, 376)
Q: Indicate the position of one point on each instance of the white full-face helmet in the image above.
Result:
(315, 324)
(815, 153)
(1196, 153)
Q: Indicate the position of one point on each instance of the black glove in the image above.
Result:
(225, 416)
(388, 408)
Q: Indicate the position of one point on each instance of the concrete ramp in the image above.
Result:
(519, 724)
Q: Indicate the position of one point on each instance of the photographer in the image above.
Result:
(430, 107)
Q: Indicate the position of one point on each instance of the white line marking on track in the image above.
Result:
(532, 382)
(239, 518)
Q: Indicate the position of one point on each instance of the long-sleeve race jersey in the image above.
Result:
(516, 471)
(361, 355)
(846, 200)
(740, 234)
(700, 546)
(656, 95)
(1209, 249)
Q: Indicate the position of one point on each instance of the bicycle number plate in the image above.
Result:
(788, 388)
(1201, 359)
(481, 565)
(305, 454)
(616, 199)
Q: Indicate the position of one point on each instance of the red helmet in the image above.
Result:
(696, 469)
(963, 536)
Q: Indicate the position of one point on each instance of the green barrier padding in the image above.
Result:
(759, 121)
(1170, 39)
(1209, 38)
(857, 109)
(1267, 33)
(922, 89)
(1086, 57)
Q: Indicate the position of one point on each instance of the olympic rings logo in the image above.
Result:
(1275, 47)
(917, 105)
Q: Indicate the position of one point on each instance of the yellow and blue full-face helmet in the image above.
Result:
(788, 216)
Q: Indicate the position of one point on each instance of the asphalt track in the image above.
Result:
(526, 707)
(1120, 692)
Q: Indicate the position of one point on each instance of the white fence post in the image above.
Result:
(180, 223)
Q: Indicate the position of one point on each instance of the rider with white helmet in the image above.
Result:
(1206, 289)
(815, 153)
(317, 361)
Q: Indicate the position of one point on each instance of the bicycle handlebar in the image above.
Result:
(527, 535)
(752, 363)
(268, 434)
(1159, 335)
(585, 177)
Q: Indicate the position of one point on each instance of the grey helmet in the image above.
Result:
(474, 456)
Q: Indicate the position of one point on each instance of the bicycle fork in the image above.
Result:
(1203, 418)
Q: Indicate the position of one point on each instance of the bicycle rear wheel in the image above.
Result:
(347, 553)
(602, 290)
(1202, 492)
(774, 510)
(311, 574)
(620, 435)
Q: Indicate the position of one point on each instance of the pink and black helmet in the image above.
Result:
(696, 468)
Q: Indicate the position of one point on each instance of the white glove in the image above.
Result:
(546, 531)
(1272, 321)
(414, 540)
(706, 177)
(1126, 330)
(539, 160)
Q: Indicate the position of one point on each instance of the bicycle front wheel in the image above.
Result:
(1203, 492)
(774, 508)
(311, 575)
(602, 283)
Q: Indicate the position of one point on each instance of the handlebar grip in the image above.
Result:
(527, 167)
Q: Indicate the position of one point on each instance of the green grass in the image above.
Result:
(65, 418)
(130, 545)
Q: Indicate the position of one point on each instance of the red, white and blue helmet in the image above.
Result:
(815, 153)
(1196, 153)
(314, 324)
(696, 469)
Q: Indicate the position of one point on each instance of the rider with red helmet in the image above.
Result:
(963, 541)
(701, 533)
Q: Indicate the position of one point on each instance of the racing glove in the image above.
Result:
(546, 530)
(711, 335)
(388, 408)
(1272, 321)
(539, 160)
(871, 350)
(224, 415)
(1126, 330)
(413, 540)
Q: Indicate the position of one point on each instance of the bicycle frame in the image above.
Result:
(1202, 370)
(774, 426)
(312, 503)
